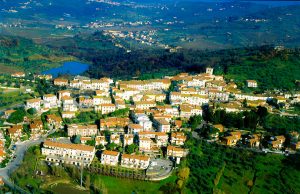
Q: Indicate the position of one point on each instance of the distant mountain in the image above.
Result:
(200, 24)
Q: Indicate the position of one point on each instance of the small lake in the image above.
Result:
(72, 68)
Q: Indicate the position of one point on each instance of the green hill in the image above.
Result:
(18, 53)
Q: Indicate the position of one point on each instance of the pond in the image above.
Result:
(71, 67)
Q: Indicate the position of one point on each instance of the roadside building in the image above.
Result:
(54, 121)
(15, 132)
(66, 153)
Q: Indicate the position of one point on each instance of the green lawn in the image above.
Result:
(118, 185)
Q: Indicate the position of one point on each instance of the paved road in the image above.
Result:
(21, 148)
(159, 169)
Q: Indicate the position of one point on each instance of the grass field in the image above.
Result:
(12, 98)
(129, 186)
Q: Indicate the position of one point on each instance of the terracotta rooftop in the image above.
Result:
(49, 143)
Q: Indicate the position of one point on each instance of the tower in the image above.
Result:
(209, 70)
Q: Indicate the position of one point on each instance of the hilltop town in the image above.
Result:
(140, 124)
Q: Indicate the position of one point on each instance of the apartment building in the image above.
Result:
(75, 154)
(110, 157)
(135, 161)
(83, 130)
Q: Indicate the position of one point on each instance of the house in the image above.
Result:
(54, 120)
(120, 104)
(60, 82)
(102, 93)
(161, 139)
(232, 139)
(177, 124)
(63, 93)
(220, 127)
(18, 74)
(107, 108)
(251, 84)
(113, 123)
(82, 130)
(99, 100)
(67, 100)
(143, 105)
(134, 128)
(100, 140)
(67, 153)
(209, 70)
(178, 138)
(135, 161)
(186, 110)
(15, 131)
(162, 125)
(114, 138)
(295, 145)
(68, 114)
(128, 139)
(143, 120)
(84, 140)
(173, 151)
(2, 157)
(110, 157)
(2, 151)
(253, 141)
(50, 100)
(33, 103)
(145, 85)
(44, 76)
(7, 113)
(36, 128)
(277, 142)
(1, 181)
(145, 144)
(85, 101)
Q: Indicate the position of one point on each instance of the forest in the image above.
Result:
(216, 169)
(272, 68)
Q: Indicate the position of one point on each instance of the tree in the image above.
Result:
(262, 113)
(91, 142)
(87, 181)
(195, 121)
(76, 139)
(184, 173)
(130, 149)
(32, 111)
(17, 116)
(111, 146)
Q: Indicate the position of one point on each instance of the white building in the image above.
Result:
(110, 157)
(135, 161)
(75, 154)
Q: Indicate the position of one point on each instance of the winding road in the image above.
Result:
(21, 148)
